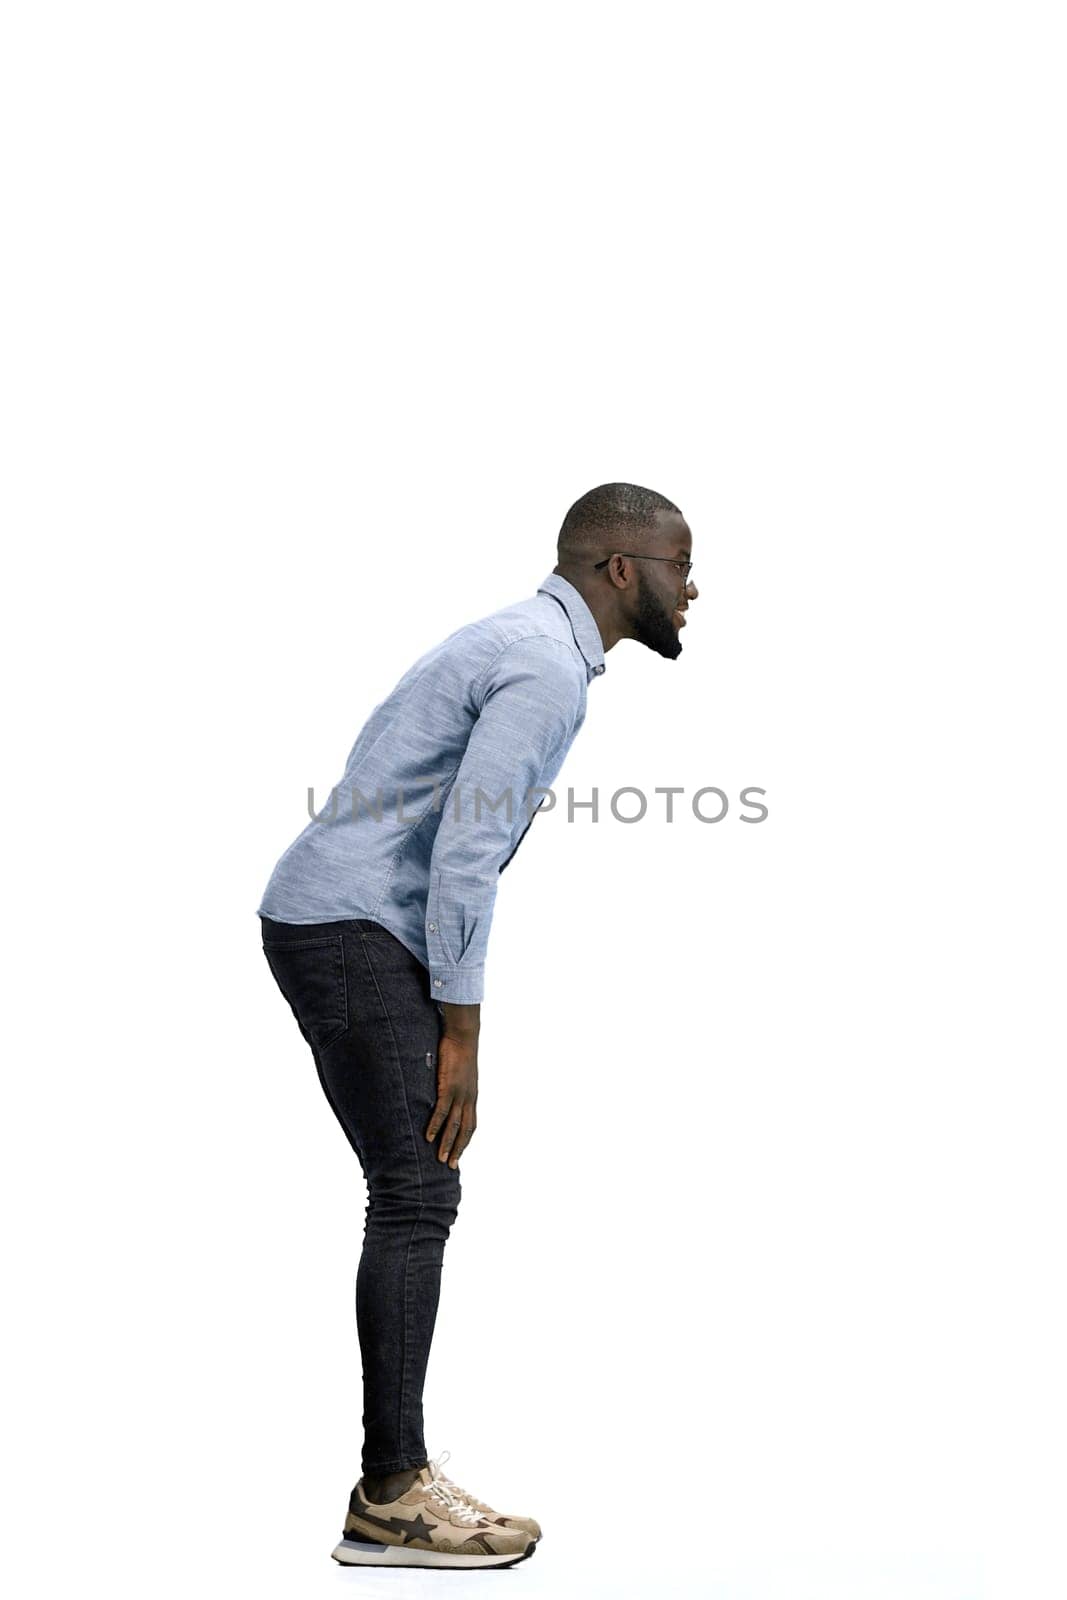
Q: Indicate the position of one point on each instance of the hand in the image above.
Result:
(457, 1097)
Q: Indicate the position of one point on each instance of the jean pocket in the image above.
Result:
(311, 975)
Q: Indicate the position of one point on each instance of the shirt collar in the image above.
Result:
(583, 623)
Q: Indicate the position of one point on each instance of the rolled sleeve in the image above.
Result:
(530, 707)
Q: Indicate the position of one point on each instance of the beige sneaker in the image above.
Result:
(430, 1525)
(527, 1524)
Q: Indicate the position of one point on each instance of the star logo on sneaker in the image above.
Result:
(418, 1528)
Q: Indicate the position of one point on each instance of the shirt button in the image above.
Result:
(437, 983)
(433, 927)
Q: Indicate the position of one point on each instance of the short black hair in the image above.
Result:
(612, 513)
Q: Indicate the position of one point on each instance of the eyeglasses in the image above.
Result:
(684, 567)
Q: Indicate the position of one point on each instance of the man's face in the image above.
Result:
(662, 592)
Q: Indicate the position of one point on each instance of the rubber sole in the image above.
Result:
(366, 1553)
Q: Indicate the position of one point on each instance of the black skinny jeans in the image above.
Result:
(362, 1002)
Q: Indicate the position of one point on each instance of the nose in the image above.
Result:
(691, 590)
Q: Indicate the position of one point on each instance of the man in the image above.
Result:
(375, 925)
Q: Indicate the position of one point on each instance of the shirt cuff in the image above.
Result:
(462, 986)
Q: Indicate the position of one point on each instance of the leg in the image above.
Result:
(370, 1045)
(412, 1205)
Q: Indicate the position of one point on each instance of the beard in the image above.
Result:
(653, 623)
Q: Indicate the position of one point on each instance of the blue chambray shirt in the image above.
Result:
(493, 708)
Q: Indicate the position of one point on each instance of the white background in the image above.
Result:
(317, 319)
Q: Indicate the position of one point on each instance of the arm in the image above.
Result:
(462, 1022)
(530, 703)
(456, 1106)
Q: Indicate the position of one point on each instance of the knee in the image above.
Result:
(431, 1195)
(441, 1194)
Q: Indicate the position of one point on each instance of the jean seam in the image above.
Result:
(344, 985)
(418, 1215)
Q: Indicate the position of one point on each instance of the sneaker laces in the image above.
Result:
(464, 1496)
(450, 1495)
